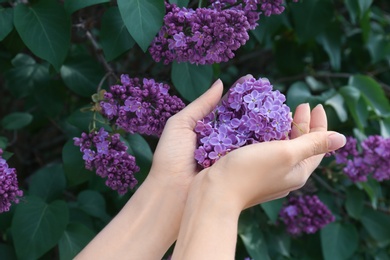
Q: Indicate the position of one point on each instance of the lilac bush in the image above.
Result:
(208, 35)
(252, 112)
(373, 158)
(107, 155)
(305, 214)
(9, 188)
(136, 106)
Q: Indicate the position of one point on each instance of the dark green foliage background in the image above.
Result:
(55, 54)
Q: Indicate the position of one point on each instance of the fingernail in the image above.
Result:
(336, 141)
(217, 82)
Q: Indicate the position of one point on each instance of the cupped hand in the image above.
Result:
(173, 160)
(265, 171)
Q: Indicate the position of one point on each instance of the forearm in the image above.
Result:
(144, 229)
(208, 229)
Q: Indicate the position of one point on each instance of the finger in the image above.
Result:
(203, 105)
(316, 143)
(301, 122)
(318, 120)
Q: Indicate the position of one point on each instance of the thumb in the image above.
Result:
(317, 143)
(203, 105)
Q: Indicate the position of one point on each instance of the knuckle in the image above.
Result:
(318, 146)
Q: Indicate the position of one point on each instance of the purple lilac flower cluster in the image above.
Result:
(9, 189)
(374, 158)
(211, 34)
(140, 107)
(305, 214)
(252, 112)
(107, 155)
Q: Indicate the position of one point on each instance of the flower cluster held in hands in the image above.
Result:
(140, 106)
(373, 158)
(107, 155)
(208, 35)
(252, 112)
(305, 214)
(9, 189)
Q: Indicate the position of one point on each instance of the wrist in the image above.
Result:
(210, 190)
(209, 226)
(218, 184)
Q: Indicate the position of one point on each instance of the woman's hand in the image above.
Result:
(173, 160)
(248, 176)
(265, 171)
(149, 223)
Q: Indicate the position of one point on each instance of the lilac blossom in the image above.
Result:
(208, 35)
(140, 106)
(229, 127)
(107, 155)
(305, 214)
(372, 159)
(9, 189)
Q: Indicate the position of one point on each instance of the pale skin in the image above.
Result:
(200, 209)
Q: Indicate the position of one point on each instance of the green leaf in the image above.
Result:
(298, 93)
(83, 119)
(356, 105)
(316, 85)
(45, 29)
(311, 17)
(252, 236)
(373, 93)
(331, 40)
(25, 75)
(93, 203)
(74, 5)
(191, 80)
(272, 209)
(373, 190)
(365, 25)
(115, 38)
(143, 19)
(378, 46)
(82, 75)
(139, 148)
(7, 252)
(269, 26)
(278, 242)
(3, 142)
(16, 120)
(354, 202)
(364, 5)
(353, 9)
(38, 226)
(180, 3)
(74, 167)
(74, 239)
(385, 127)
(6, 21)
(48, 182)
(339, 241)
(377, 225)
(337, 102)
